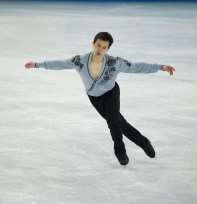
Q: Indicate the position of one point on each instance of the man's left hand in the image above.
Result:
(168, 68)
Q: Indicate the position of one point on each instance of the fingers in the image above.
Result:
(169, 69)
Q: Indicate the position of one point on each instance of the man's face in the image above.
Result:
(100, 48)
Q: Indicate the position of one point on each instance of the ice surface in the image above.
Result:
(54, 147)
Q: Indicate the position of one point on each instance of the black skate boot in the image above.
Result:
(122, 158)
(149, 150)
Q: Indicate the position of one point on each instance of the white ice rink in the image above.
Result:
(54, 146)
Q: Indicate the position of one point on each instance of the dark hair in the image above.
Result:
(105, 36)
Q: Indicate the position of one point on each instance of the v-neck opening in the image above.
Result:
(102, 69)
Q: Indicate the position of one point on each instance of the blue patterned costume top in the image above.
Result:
(111, 67)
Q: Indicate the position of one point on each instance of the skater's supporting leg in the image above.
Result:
(112, 106)
(108, 107)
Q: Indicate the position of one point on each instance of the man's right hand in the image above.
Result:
(30, 65)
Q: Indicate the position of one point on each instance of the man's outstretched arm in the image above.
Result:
(53, 64)
(140, 67)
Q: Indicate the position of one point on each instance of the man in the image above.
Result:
(98, 72)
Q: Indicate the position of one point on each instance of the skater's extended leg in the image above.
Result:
(135, 136)
(132, 133)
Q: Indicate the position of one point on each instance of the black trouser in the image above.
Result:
(108, 105)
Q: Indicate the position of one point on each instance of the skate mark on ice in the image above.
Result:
(2, 201)
(105, 192)
(108, 194)
(165, 194)
(101, 147)
(102, 185)
(107, 187)
(40, 198)
(16, 150)
(13, 36)
(39, 172)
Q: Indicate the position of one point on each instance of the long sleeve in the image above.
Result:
(61, 64)
(139, 67)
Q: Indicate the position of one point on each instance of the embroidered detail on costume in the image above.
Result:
(109, 73)
(77, 61)
(127, 62)
(111, 61)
